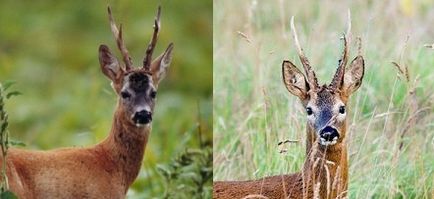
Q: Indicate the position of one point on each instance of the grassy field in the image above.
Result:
(50, 48)
(391, 121)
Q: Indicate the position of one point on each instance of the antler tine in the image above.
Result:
(148, 57)
(119, 40)
(347, 40)
(337, 79)
(349, 25)
(359, 47)
(311, 77)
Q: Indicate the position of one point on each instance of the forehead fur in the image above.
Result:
(138, 81)
(324, 97)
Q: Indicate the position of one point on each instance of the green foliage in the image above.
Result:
(8, 195)
(4, 138)
(189, 175)
(253, 111)
(51, 48)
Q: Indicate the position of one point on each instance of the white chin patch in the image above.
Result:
(138, 125)
(323, 142)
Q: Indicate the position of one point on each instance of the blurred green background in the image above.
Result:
(51, 49)
(390, 121)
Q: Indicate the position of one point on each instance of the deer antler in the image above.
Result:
(311, 77)
(148, 57)
(119, 40)
(339, 75)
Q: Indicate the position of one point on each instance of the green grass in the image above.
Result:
(253, 111)
(50, 49)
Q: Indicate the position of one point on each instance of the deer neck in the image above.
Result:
(310, 138)
(125, 146)
(326, 171)
(326, 167)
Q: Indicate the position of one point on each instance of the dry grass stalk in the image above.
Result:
(255, 196)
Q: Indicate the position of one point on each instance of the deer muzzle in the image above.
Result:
(328, 136)
(141, 118)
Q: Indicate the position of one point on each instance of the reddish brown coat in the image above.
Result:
(105, 170)
(298, 185)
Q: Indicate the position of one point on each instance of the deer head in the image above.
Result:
(135, 86)
(325, 105)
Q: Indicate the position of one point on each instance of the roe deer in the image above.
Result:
(107, 169)
(325, 171)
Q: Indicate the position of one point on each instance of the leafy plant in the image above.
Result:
(188, 174)
(4, 138)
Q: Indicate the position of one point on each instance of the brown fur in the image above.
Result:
(105, 170)
(297, 185)
(325, 171)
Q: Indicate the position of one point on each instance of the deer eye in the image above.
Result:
(309, 111)
(342, 109)
(153, 94)
(125, 95)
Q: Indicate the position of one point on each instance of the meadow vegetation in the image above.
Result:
(50, 48)
(390, 127)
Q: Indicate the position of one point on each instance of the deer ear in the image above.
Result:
(294, 80)
(109, 64)
(354, 75)
(160, 65)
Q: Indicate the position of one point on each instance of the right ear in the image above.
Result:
(294, 80)
(354, 75)
(109, 64)
(160, 65)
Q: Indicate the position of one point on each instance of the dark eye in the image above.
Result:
(153, 94)
(309, 111)
(342, 109)
(125, 95)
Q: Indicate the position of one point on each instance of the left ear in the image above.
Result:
(353, 75)
(160, 65)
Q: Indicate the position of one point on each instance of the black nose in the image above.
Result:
(329, 134)
(142, 117)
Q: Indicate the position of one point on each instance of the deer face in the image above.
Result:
(136, 87)
(325, 106)
(138, 95)
(326, 115)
